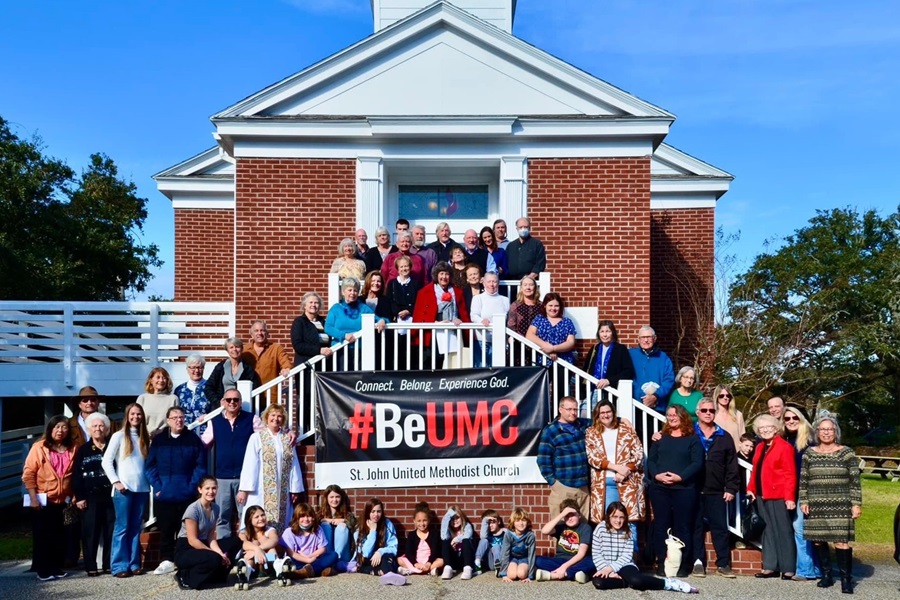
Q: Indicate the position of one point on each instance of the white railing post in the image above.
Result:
(154, 335)
(69, 345)
(368, 342)
(544, 283)
(246, 390)
(498, 341)
(334, 289)
(625, 403)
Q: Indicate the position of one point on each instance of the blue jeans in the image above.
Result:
(488, 356)
(612, 495)
(323, 562)
(126, 539)
(551, 563)
(338, 540)
(806, 566)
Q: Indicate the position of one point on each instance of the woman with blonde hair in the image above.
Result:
(798, 432)
(728, 417)
(270, 476)
(157, 400)
(346, 264)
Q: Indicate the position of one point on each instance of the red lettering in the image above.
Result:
(431, 424)
(466, 427)
(497, 422)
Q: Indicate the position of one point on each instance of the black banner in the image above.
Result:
(401, 428)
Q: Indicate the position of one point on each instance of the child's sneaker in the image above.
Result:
(676, 585)
(404, 571)
(448, 573)
(434, 572)
(467, 573)
(581, 577)
(542, 575)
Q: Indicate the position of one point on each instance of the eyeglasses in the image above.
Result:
(195, 368)
(768, 428)
(789, 418)
(726, 395)
(706, 410)
(825, 430)
(176, 419)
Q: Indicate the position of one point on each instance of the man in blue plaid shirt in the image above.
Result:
(562, 459)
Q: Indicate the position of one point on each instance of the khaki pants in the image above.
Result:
(581, 495)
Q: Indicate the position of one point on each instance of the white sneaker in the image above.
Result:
(676, 585)
(542, 575)
(434, 572)
(448, 572)
(467, 573)
(581, 577)
(165, 568)
(282, 565)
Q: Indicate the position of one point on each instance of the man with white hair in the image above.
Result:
(654, 375)
(484, 307)
(444, 243)
(360, 244)
(474, 254)
(404, 247)
(428, 256)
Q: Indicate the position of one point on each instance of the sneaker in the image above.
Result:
(581, 577)
(404, 571)
(676, 585)
(448, 572)
(46, 578)
(467, 573)
(392, 579)
(164, 568)
(181, 582)
(726, 572)
(698, 570)
(61, 575)
(434, 572)
(542, 575)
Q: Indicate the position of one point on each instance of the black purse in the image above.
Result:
(752, 523)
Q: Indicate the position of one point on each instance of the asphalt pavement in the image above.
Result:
(872, 583)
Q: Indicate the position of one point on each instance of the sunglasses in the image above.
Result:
(729, 396)
(231, 400)
(788, 418)
(706, 410)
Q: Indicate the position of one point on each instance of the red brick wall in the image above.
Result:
(291, 213)
(593, 216)
(204, 255)
(682, 249)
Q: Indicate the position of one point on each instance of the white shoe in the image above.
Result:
(434, 572)
(542, 575)
(467, 573)
(448, 572)
(581, 577)
(676, 585)
(282, 565)
(165, 568)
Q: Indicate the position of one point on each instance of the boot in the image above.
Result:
(845, 564)
(824, 557)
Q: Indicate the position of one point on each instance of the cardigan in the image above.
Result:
(779, 471)
(619, 366)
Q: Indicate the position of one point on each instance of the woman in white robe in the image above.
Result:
(270, 476)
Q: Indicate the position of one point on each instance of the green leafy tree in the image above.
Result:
(816, 320)
(64, 237)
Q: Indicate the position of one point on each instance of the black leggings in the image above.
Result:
(631, 578)
(388, 564)
(465, 557)
(199, 568)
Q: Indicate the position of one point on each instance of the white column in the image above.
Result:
(369, 194)
(513, 191)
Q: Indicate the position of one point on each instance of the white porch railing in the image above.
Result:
(510, 285)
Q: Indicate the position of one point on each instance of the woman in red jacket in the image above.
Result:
(439, 303)
(772, 481)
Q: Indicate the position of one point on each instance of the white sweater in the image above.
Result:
(485, 306)
(127, 469)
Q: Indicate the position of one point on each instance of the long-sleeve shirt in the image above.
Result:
(367, 546)
(680, 455)
(127, 469)
(485, 306)
(466, 533)
(561, 454)
(611, 548)
(514, 546)
(269, 363)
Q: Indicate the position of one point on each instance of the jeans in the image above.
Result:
(551, 563)
(320, 564)
(338, 540)
(126, 541)
(612, 495)
(806, 566)
(488, 355)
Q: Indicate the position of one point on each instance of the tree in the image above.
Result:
(816, 320)
(64, 237)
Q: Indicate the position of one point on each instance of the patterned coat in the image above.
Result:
(628, 451)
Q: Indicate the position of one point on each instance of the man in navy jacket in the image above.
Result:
(174, 466)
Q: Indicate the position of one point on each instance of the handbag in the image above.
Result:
(752, 523)
(71, 514)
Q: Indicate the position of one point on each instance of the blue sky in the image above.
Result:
(796, 98)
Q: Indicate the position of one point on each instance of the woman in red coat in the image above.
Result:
(438, 303)
(773, 483)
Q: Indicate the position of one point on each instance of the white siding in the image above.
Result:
(496, 12)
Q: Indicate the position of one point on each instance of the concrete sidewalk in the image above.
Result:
(873, 583)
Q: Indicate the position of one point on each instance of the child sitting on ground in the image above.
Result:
(517, 550)
(457, 548)
(572, 560)
(423, 546)
(260, 544)
(487, 555)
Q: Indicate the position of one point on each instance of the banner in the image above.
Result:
(430, 428)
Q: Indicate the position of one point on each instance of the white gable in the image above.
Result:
(498, 13)
(442, 61)
(444, 74)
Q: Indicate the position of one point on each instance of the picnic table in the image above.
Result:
(886, 466)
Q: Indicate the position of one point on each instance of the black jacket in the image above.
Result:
(305, 340)
(720, 472)
(215, 389)
(373, 259)
(619, 367)
(402, 297)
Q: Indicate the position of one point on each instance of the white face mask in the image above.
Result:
(524, 232)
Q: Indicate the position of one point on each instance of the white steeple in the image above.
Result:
(496, 12)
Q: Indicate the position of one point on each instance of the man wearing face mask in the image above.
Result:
(526, 254)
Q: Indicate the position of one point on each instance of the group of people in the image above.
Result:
(804, 482)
